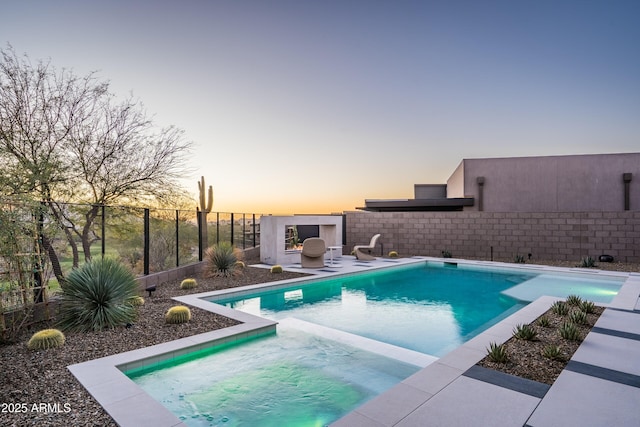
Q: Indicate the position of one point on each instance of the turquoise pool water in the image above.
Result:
(427, 308)
(288, 379)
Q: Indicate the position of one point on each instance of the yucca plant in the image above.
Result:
(525, 332)
(497, 353)
(222, 259)
(96, 296)
(569, 331)
(552, 352)
(544, 322)
(188, 283)
(578, 316)
(587, 306)
(573, 300)
(560, 308)
(45, 339)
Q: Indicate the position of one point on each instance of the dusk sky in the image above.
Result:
(314, 106)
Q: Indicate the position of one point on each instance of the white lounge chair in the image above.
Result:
(363, 252)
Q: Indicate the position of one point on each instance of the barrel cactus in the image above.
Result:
(276, 269)
(46, 338)
(136, 301)
(178, 314)
(188, 284)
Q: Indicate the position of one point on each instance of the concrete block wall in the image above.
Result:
(567, 236)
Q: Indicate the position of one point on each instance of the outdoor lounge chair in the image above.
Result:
(363, 252)
(312, 255)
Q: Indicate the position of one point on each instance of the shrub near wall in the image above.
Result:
(547, 235)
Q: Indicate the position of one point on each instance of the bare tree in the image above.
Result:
(121, 157)
(65, 139)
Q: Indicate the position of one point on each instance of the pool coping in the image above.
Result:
(129, 405)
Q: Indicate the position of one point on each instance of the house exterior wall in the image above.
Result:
(568, 236)
(456, 183)
(580, 183)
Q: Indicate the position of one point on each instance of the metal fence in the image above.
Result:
(147, 240)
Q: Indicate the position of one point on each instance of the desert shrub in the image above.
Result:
(96, 296)
(497, 353)
(569, 331)
(393, 254)
(221, 259)
(560, 308)
(178, 314)
(587, 306)
(276, 269)
(525, 332)
(552, 352)
(573, 300)
(46, 338)
(446, 254)
(188, 284)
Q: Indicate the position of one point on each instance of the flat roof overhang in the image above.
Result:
(417, 205)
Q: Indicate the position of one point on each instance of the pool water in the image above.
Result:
(423, 308)
(289, 379)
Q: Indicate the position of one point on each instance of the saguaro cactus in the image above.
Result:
(206, 203)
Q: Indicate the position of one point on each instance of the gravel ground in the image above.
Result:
(525, 357)
(29, 378)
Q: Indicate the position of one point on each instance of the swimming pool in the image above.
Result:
(286, 379)
(430, 307)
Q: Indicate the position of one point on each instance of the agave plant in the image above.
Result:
(525, 332)
(98, 295)
(497, 353)
(573, 300)
(544, 322)
(222, 260)
(570, 331)
(552, 352)
(578, 316)
(560, 307)
(588, 262)
(587, 306)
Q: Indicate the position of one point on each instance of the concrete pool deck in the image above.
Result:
(600, 386)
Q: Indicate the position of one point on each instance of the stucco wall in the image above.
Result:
(584, 183)
(547, 236)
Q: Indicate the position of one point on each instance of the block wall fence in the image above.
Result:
(564, 236)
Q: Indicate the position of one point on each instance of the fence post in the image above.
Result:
(231, 229)
(146, 242)
(104, 243)
(244, 229)
(177, 238)
(253, 222)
